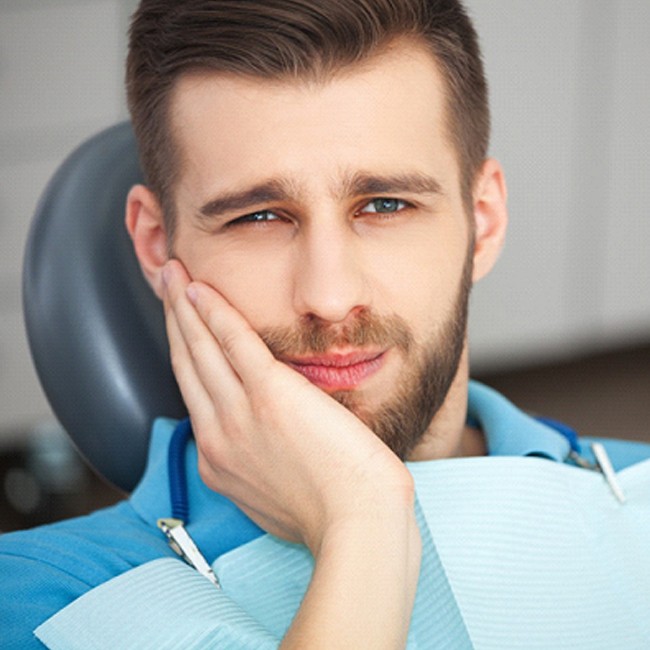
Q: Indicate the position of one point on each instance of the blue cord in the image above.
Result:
(176, 470)
(569, 433)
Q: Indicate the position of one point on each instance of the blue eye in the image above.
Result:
(384, 206)
(263, 216)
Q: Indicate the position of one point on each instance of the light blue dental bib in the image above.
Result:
(518, 553)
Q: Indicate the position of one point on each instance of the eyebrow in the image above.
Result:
(239, 201)
(362, 183)
(357, 184)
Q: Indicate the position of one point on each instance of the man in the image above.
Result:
(319, 202)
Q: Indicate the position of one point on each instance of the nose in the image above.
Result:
(329, 280)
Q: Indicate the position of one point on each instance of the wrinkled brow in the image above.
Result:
(351, 185)
(240, 201)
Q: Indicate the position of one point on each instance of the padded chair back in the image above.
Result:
(95, 328)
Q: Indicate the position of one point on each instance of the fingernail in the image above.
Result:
(192, 293)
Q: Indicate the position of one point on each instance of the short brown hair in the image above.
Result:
(293, 39)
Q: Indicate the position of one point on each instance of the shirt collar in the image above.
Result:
(509, 431)
(215, 524)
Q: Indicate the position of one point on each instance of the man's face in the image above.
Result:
(330, 215)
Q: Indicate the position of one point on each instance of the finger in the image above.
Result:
(197, 399)
(241, 345)
(195, 344)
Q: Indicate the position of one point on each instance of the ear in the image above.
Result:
(146, 225)
(490, 216)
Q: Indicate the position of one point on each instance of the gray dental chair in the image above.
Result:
(96, 330)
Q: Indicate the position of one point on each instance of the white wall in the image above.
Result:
(570, 102)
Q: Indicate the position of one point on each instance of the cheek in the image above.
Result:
(257, 287)
(419, 280)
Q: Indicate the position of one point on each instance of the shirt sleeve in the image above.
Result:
(31, 590)
(45, 569)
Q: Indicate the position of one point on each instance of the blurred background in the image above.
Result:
(562, 326)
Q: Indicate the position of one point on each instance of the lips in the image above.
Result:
(333, 372)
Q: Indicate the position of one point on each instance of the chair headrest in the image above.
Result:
(95, 328)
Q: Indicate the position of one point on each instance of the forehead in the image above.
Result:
(385, 112)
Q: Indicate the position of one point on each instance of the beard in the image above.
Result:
(429, 369)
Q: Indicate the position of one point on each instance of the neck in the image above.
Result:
(448, 435)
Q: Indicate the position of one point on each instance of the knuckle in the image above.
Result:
(206, 472)
(229, 343)
(206, 312)
(196, 348)
(209, 464)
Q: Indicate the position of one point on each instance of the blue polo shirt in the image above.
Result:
(45, 569)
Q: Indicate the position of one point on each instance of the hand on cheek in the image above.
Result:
(283, 450)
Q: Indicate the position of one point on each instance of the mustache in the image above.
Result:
(315, 336)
